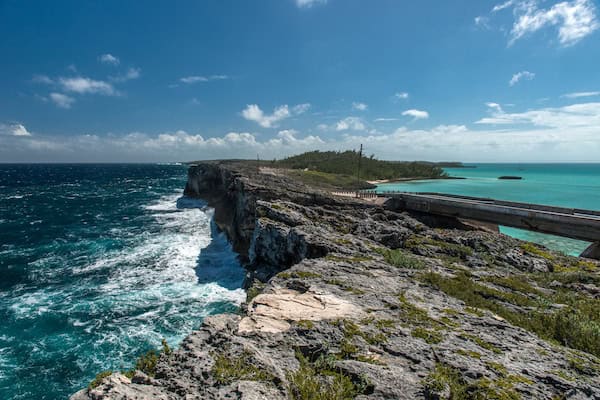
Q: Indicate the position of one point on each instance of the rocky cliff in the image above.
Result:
(349, 299)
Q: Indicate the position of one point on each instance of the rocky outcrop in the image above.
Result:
(357, 301)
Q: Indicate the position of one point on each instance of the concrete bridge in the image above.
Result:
(568, 222)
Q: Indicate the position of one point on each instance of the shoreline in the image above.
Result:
(420, 178)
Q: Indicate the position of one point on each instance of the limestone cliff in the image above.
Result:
(348, 299)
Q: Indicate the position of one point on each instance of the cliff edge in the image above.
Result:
(348, 299)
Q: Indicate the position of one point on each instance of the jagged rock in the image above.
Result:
(329, 294)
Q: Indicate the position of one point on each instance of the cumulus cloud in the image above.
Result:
(359, 106)
(308, 3)
(199, 78)
(62, 100)
(416, 114)
(83, 85)
(350, 123)
(253, 112)
(564, 118)
(301, 108)
(577, 95)
(523, 75)
(109, 59)
(132, 73)
(401, 95)
(494, 107)
(18, 130)
(482, 22)
(574, 19)
(567, 133)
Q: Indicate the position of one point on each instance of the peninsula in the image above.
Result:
(351, 299)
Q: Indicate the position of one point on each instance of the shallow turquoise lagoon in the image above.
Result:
(568, 185)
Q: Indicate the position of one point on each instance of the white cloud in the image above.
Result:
(494, 107)
(564, 118)
(132, 73)
(301, 108)
(42, 79)
(83, 85)
(252, 112)
(482, 22)
(504, 5)
(359, 106)
(350, 123)
(574, 19)
(416, 114)
(401, 95)
(62, 100)
(109, 59)
(18, 130)
(566, 134)
(577, 95)
(386, 119)
(308, 3)
(526, 75)
(198, 78)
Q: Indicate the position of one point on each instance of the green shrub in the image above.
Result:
(228, 369)
(429, 336)
(577, 325)
(99, 378)
(400, 259)
(321, 381)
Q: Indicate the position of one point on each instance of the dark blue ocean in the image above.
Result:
(98, 263)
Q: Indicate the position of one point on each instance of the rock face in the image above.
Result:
(356, 301)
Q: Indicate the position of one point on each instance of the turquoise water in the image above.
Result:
(97, 264)
(568, 185)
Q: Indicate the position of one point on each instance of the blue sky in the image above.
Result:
(514, 80)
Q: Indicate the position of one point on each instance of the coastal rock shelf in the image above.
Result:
(354, 300)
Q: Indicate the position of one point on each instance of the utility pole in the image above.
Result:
(358, 172)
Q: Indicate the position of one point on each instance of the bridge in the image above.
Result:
(561, 221)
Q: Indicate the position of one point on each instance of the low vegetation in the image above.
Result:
(322, 380)
(228, 369)
(346, 163)
(575, 324)
(399, 258)
(448, 380)
(99, 378)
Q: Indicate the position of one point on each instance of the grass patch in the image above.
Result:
(577, 325)
(352, 329)
(229, 369)
(429, 336)
(446, 379)
(321, 380)
(254, 290)
(482, 343)
(344, 286)
(305, 324)
(400, 259)
(298, 274)
(351, 259)
(98, 379)
(516, 283)
(537, 251)
(451, 249)
(469, 353)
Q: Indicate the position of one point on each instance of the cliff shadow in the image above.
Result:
(218, 263)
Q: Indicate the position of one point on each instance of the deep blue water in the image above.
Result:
(98, 263)
(568, 185)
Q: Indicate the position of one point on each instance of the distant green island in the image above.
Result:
(349, 170)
